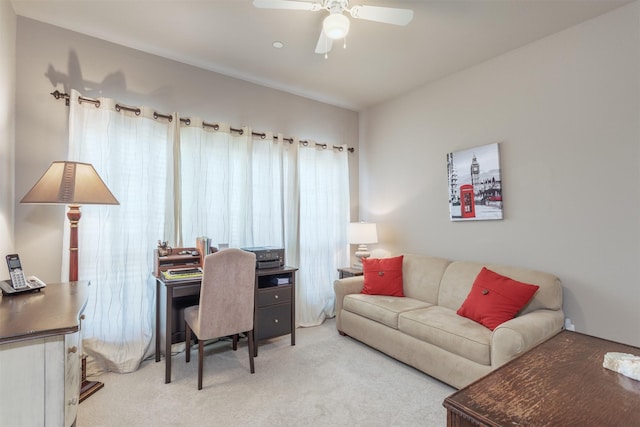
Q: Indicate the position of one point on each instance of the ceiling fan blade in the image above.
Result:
(285, 4)
(388, 15)
(324, 43)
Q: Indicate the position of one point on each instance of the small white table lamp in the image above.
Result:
(362, 234)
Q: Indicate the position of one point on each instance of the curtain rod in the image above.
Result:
(59, 95)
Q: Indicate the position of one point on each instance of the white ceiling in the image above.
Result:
(381, 61)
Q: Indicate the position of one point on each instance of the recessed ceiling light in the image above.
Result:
(277, 44)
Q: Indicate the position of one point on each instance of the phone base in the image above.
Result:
(7, 289)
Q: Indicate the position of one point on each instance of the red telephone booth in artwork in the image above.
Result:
(467, 202)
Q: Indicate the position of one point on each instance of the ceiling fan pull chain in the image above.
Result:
(344, 42)
(326, 48)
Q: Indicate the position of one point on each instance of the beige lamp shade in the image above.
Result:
(70, 183)
(362, 233)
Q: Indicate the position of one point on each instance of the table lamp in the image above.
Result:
(73, 184)
(362, 234)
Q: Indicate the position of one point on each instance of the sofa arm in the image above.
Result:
(522, 333)
(342, 287)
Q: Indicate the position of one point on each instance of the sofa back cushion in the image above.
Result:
(460, 275)
(421, 276)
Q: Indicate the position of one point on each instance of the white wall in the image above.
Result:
(7, 128)
(566, 110)
(51, 58)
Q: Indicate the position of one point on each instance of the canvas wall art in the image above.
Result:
(475, 185)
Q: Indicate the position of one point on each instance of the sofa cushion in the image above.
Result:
(460, 275)
(382, 309)
(495, 298)
(548, 297)
(383, 276)
(443, 328)
(421, 276)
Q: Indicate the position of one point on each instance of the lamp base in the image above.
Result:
(87, 388)
(361, 253)
(74, 215)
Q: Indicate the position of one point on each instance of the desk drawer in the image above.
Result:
(273, 321)
(185, 291)
(275, 295)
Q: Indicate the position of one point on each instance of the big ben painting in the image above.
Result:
(475, 185)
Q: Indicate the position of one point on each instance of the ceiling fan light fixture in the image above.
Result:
(336, 26)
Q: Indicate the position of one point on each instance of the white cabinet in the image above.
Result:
(22, 382)
(40, 369)
(40, 381)
(72, 376)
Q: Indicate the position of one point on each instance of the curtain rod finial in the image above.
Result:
(57, 95)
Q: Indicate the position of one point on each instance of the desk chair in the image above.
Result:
(226, 303)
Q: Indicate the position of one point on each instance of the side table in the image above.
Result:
(561, 382)
(349, 272)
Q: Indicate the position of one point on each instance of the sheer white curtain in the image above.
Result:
(291, 202)
(231, 186)
(324, 214)
(210, 186)
(254, 190)
(176, 182)
(133, 155)
(267, 198)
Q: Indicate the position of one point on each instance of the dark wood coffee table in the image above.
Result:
(561, 382)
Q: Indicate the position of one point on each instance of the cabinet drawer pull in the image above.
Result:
(73, 401)
(73, 349)
(82, 317)
(275, 320)
(275, 296)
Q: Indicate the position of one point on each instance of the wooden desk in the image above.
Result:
(40, 355)
(561, 382)
(274, 313)
(172, 297)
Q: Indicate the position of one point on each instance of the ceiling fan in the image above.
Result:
(336, 25)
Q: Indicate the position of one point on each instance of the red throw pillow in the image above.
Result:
(383, 276)
(494, 299)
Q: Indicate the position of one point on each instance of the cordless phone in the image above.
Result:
(15, 272)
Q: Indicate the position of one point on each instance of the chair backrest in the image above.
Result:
(227, 293)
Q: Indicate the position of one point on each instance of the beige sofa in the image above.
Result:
(423, 330)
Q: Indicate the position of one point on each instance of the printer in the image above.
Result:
(267, 256)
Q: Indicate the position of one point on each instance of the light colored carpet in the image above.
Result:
(324, 380)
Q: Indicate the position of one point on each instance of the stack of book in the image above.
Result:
(182, 273)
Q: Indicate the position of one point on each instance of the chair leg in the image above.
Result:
(200, 362)
(250, 339)
(187, 342)
(235, 342)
